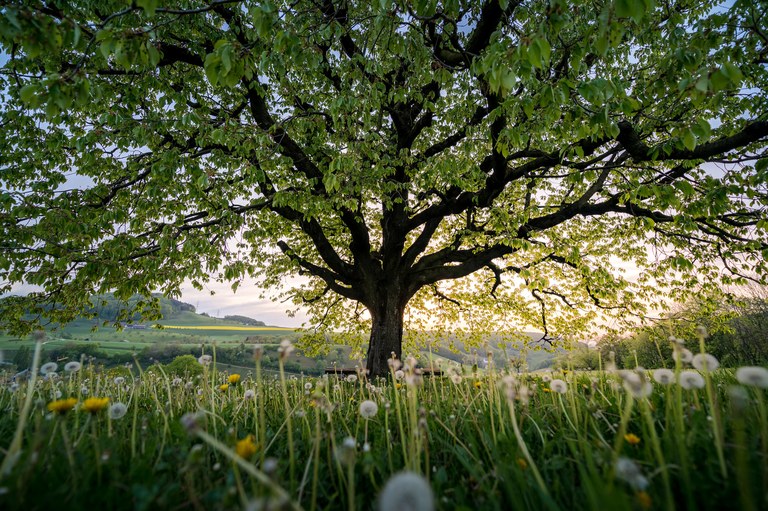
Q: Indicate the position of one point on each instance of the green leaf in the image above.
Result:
(689, 140)
(28, 92)
(149, 6)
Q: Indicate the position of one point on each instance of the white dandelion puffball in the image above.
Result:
(628, 471)
(664, 376)
(176, 382)
(558, 386)
(406, 490)
(368, 409)
(249, 394)
(72, 367)
(705, 362)
(691, 380)
(638, 388)
(308, 386)
(205, 360)
(117, 411)
(456, 379)
(119, 380)
(546, 378)
(753, 376)
(685, 355)
(49, 367)
(352, 378)
(399, 374)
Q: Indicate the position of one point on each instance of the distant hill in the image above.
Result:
(245, 320)
(108, 308)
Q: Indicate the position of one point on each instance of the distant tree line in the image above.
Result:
(737, 335)
(245, 320)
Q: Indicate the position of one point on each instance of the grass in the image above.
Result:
(485, 440)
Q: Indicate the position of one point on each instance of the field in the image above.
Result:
(631, 440)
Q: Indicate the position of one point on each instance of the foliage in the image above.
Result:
(387, 151)
(184, 365)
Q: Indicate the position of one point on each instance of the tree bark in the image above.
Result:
(386, 332)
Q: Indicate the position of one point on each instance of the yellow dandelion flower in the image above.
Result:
(62, 406)
(632, 439)
(547, 389)
(397, 385)
(522, 463)
(478, 384)
(95, 404)
(234, 378)
(246, 447)
(224, 387)
(644, 499)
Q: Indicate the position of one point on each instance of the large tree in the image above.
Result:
(505, 159)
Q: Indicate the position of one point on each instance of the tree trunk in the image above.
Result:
(386, 333)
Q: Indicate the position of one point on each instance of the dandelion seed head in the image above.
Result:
(48, 367)
(407, 491)
(399, 374)
(664, 376)
(117, 411)
(684, 355)
(753, 376)
(308, 386)
(249, 394)
(205, 360)
(351, 378)
(705, 362)
(629, 472)
(176, 382)
(119, 380)
(368, 409)
(691, 380)
(72, 367)
(558, 386)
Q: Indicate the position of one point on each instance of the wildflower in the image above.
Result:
(664, 376)
(234, 378)
(49, 367)
(478, 384)
(546, 378)
(753, 376)
(119, 380)
(701, 331)
(192, 420)
(632, 439)
(685, 355)
(285, 349)
(345, 453)
(456, 378)
(705, 362)
(84, 390)
(629, 472)
(246, 447)
(394, 363)
(636, 383)
(522, 463)
(368, 409)
(352, 378)
(249, 394)
(558, 386)
(176, 382)
(644, 499)
(205, 360)
(223, 387)
(399, 374)
(117, 411)
(308, 386)
(72, 367)
(691, 380)
(95, 404)
(62, 406)
(407, 490)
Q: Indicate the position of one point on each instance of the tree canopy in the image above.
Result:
(489, 163)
